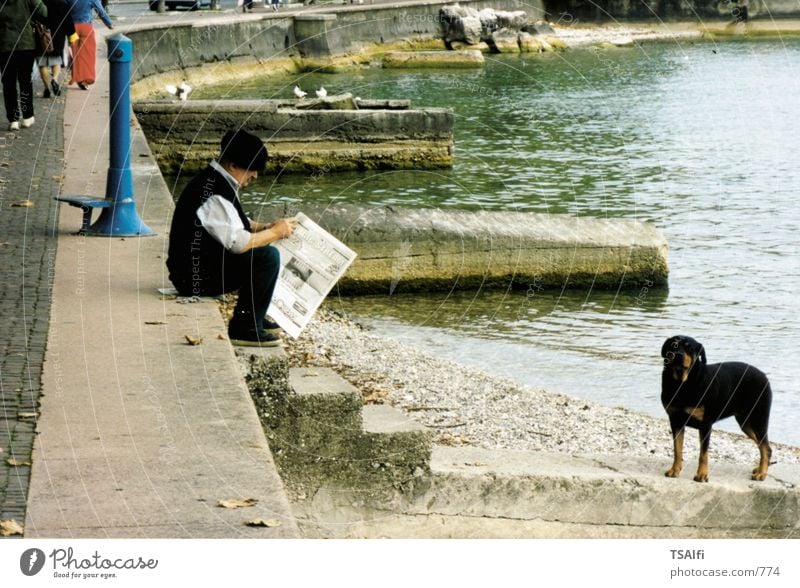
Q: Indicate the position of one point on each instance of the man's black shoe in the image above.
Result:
(270, 325)
(254, 338)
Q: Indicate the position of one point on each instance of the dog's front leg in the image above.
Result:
(677, 460)
(702, 466)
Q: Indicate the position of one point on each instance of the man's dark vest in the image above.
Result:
(198, 264)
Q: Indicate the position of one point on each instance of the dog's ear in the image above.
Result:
(698, 350)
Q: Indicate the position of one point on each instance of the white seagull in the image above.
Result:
(322, 92)
(180, 91)
(299, 93)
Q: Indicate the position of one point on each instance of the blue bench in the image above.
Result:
(86, 204)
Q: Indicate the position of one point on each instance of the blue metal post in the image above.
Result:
(120, 219)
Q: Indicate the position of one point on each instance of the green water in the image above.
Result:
(700, 139)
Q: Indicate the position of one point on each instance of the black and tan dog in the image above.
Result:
(696, 394)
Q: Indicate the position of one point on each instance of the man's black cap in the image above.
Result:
(244, 150)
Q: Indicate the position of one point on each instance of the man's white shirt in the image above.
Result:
(218, 216)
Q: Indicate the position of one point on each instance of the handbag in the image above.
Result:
(45, 38)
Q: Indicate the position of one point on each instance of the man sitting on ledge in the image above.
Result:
(215, 248)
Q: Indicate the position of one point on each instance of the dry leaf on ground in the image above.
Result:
(193, 340)
(10, 527)
(264, 523)
(17, 462)
(22, 204)
(237, 503)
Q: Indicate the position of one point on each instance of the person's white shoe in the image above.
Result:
(14, 126)
(27, 122)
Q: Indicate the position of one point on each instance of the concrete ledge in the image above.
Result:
(185, 135)
(410, 250)
(433, 59)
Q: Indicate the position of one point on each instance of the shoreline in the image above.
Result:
(573, 35)
(630, 33)
(465, 406)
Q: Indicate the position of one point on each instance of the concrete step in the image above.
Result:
(606, 490)
(392, 441)
(474, 492)
(383, 419)
(322, 436)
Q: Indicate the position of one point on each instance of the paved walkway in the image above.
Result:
(31, 164)
(138, 433)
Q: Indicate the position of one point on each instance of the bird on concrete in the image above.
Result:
(299, 93)
(322, 92)
(180, 91)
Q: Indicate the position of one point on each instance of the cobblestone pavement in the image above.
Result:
(31, 164)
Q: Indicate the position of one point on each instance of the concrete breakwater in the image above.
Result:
(417, 250)
(329, 136)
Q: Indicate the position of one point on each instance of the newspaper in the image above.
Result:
(312, 261)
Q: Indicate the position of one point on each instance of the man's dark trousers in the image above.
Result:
(257, 279)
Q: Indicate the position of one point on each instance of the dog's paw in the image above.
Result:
(673, 472)
(701, 477)
(758, 475)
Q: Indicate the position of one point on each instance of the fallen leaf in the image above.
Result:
(17, 462)
(155, 323)
(222, 337)
(237, 503)
(168, 297)
(10, 527)
(310, 374)
(27, 415)
(264, 523)
(193, 340)
(22, 203)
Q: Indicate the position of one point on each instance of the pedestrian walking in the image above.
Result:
(17, 54)
(59, 22)
(84, 50)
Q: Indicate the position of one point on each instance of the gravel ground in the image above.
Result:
(465, 406)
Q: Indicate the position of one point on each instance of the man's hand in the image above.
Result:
(266, 234)
(284, 227)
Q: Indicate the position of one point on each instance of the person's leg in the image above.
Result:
(56, 70)
(9, 81)
(25, 80)
(255, 292)
(44, 72)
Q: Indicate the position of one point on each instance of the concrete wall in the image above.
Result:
(230, 47)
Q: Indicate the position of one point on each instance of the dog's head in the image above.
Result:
(680, 354)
